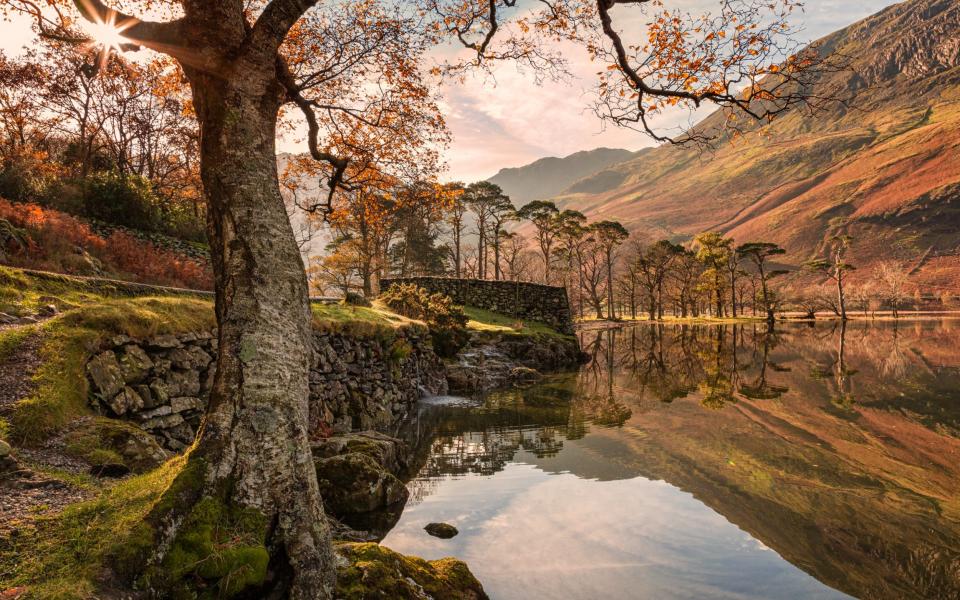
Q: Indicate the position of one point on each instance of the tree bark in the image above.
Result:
(253, 446)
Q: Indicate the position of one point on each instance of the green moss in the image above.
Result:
(65, 554)
(399, 351)
(374, 571)
(10, 340)
(218, 550)
(222, 547)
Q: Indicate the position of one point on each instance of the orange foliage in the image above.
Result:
(62, 243)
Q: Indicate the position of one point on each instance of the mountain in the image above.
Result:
(885, 168)
(550, 176)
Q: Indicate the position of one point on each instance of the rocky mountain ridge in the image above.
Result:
(882, 167)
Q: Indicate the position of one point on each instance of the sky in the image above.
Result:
(515, 122)
(508, 120)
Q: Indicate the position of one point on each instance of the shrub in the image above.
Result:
(355, 299)
(127, 200)
(26, 176)
(447, 322)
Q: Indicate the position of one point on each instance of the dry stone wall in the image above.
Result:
(545, 303)
(163, 383)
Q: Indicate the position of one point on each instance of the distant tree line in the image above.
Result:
(475, 231)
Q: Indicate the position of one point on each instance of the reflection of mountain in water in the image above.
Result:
(836, 447)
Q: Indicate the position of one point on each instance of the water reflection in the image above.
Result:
(835, 446)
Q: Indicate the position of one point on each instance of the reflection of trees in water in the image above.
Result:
(638, 368)
(597, 400)
(487, 452)
(481, 440)
(666, 363)
(862, 498)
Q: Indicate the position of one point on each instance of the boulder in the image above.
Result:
(524, 374)
(107, 442)
(354, 483)
(7, 462)
(163, 342)
(184, 403)
(367, 570)
(189, 357)
(443, 531)
(388, 452)
(48, 310)
(134, 363)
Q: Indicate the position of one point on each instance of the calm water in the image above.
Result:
(708, 462)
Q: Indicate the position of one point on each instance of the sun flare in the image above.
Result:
(107, 35)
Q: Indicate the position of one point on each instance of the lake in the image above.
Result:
(817, 461)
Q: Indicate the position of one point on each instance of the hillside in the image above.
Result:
(550, 176)
(883, 170)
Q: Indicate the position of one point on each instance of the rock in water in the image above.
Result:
(354, 483)
(443, 531)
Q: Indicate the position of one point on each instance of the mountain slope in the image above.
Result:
(885, 169)
(550, 176)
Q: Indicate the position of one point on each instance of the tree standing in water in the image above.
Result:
(836, 268)
(245, 515)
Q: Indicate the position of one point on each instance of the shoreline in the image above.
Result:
(886, 316)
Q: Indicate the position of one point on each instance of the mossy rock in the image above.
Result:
(354, 483)
(367, 571)
(389, 452)
(102, 441)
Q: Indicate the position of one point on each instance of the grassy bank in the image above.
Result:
(488, 321)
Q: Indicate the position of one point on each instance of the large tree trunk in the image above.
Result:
(253, 451)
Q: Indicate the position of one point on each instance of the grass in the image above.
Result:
(63, 556)
(363, 321)
(22, 293)
(489, 321)
(10, 340)
(90, 315)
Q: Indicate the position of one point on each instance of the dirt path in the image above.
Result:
(17, 370)
(25, 493)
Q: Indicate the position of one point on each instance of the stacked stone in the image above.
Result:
(523, 300)
(368, 383)
(161, 383)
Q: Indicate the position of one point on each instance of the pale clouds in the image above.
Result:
(512, 121)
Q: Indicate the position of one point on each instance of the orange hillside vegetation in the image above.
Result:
(35, 237)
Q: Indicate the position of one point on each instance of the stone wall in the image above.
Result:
(545, 303)
(162, 383)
